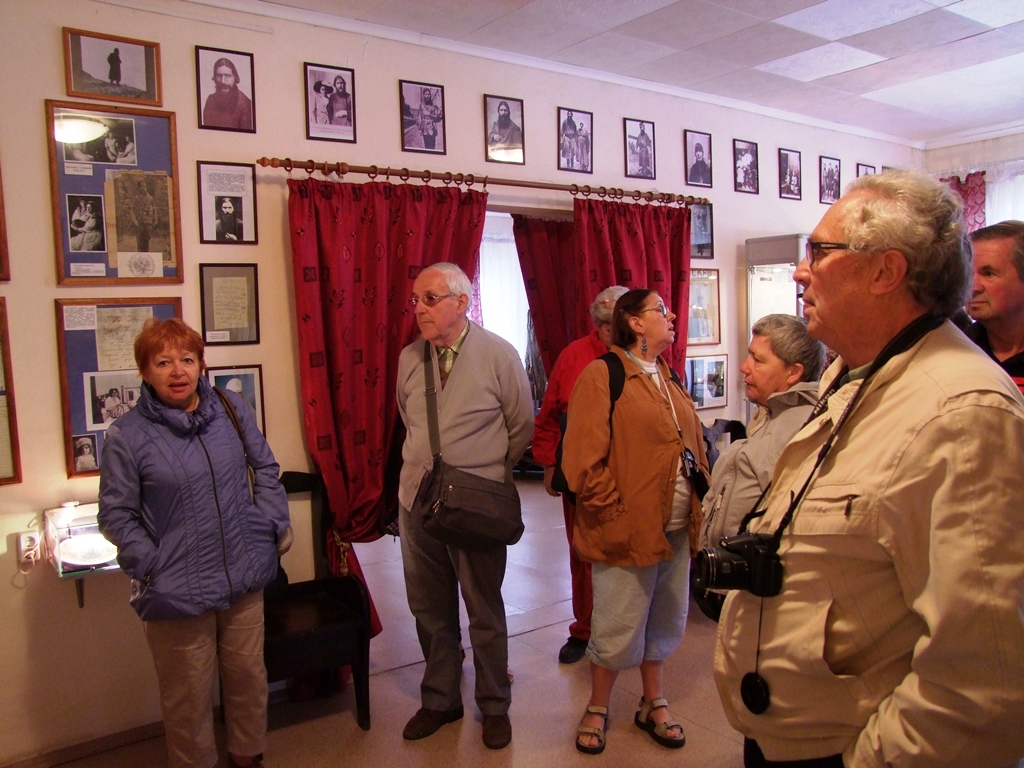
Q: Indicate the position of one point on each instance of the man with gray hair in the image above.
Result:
(879, 622)
(997, 301)
(484, 423)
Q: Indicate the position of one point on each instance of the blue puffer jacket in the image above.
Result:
(174, 499)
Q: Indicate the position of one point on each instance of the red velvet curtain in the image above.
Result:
(972, 192)
(356, 249)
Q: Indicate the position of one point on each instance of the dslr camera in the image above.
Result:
(747, 561)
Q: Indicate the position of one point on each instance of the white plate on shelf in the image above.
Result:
(87, 549)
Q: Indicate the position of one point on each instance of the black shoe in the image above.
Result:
(426, 721)
(497, 731)
(573, 650)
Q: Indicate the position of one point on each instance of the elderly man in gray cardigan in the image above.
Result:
(485, 422)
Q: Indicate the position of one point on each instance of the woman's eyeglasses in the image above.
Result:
(429, 299)
(659, 307)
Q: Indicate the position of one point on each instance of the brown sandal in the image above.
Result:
(589, 730)
(659, 731)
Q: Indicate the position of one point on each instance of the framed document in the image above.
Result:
(227, 203)
(230, 304)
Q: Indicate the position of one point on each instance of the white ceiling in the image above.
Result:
(929, 72)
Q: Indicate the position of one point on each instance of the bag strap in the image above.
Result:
(233, 415)
(431, 394)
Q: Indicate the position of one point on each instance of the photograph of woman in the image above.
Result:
(86, 225)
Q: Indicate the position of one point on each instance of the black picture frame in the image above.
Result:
(247, 382)
(865, 170)
(96, 68)
(790, 175)
(330, 115)
(698, 171)
(223, 186)
(829, 179)
(702, 231)
(418, 121)
(745, 164)
(639, 149)
(230, 303)
(504, 143)
(234, 111)
(575, 149)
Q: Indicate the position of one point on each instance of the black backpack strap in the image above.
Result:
(616, 380)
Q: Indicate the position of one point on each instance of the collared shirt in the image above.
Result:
(446, 355)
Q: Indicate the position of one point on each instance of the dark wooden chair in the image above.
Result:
(321, 624)
(733, 428)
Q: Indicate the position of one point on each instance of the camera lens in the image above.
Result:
(717, 568)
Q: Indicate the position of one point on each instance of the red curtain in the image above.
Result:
(356, 249)
(972, 192)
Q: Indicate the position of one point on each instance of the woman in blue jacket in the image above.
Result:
(198, 544)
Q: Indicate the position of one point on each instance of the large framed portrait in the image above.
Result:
(706, 381)
(99, 380)
(247, 382)
(702, 231)
(5, 256)
(697, 149)
(227, 203)
(330, 102)
(503, 121)
(229, 298)
(575, 140)
(829, 182)
(790, 179)
(704, 325)
(112, 68)
(114, 192)
(638, 138)
(226, 90)
(423, 117)
(10, 453)
(744, 155)
(865, 170)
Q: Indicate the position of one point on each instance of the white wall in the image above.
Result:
(73, 674)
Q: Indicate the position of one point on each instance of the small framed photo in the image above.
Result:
(789, 174)
(828, 180)
(423, 128)
(226, 90)
(227, 203)
(865, 170)
(112, 68)
(330, 102)
(503, 121)
(229, 298)
(704, 326)
(745, 159)
(575, 140)
(706, 381)
(638, 136)
(702, 232)
(247, 382)
(697, 148)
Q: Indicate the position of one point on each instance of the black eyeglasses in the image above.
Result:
(429, 300)
(659, 307)
(816, 251)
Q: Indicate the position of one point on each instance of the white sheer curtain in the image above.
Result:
(502, 293)
(1004, 193)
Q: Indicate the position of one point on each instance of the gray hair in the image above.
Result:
(455, 279)
(788, 339)
(1011, 229)
(922, 218)
(603, 306)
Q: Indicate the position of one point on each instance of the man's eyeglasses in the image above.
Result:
(659, 307)
(429, 299)
(816, 251)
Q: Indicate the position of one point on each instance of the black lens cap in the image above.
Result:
(754, 692)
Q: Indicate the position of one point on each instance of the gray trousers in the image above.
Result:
(434, 574)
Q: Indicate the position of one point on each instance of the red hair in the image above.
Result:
(158, 335)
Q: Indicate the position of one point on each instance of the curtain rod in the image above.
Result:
(404, 174)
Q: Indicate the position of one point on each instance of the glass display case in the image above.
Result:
(76, 547)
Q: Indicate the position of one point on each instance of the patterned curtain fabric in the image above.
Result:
(356, 250)
(972, 192)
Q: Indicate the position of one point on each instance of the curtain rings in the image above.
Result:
(387, 174)
(470, 180)
(427, 176)
(485, 182)
(287, 165)
(340, 169)
(372, 173)
(447, 178)
(586, 190)
(404, 175)
(310, 167)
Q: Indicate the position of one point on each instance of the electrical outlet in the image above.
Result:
(28, 547)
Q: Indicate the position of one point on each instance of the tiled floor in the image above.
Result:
(548, 698)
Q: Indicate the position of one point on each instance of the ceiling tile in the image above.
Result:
(350, 9)
(743, 84)
(758, 44)
(836, 19)
(819, 62)
(1017, 30)
(683, 69)
(451, 19)
(995, 13)
(767, 9)
(612, 52)
(916, 33)
(687, 23)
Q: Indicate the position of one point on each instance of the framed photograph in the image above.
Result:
(704, 326)
(98, 377)
(10, 453)
(744, 155)
(702, 232)
(828, 180)
(865, 170)
(229, 297)
(697, 151)
(5, 256)
(423, 117)
(114, 192)
(247, 382)
(575, 140)
(112, 68)
(503, 121)
(226, 90)
(638, 137)
(330, 102)
(706, 381)
(227, 203)
(789, 174)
